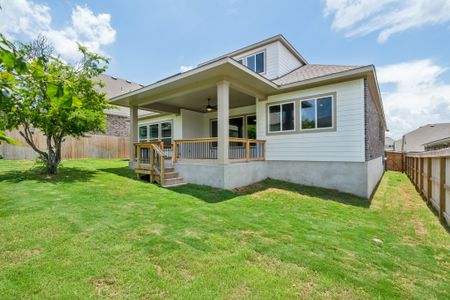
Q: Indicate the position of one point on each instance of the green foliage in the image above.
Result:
(8, 140)
(39, 90)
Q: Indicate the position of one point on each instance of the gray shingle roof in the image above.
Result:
(116, 86)
(312, 71)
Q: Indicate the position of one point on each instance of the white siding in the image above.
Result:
(286, 60)
(344, 144)
(279, 60)
(192, 124)
(271, 59)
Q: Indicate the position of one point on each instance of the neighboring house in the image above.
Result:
(118, 119)
(438, 144)
(416, 140)
(398, 145)
(320, 125)
(389, 144)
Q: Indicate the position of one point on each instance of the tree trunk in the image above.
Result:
(53, 155)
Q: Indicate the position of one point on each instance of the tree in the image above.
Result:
(40, 91)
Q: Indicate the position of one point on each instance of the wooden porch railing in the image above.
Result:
(239, 149)
(150, 160)
(429, 172)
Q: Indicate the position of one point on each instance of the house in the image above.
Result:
(398, 145)
(389, 144)
(257, 112)
(416, 140)
(438, 144)
(118, 118)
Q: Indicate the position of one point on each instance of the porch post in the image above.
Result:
(133, 133)
(223, 92)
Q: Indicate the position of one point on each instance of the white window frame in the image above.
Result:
(244, 60)
(139, 133)
(159, 130)
(281, 117)
(315, 113)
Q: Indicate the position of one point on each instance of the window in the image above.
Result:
(259, 68)
(282, 117)
(251, 127)
(317, 113)
(156, 131)
(166, 133)
(236, 127)
(143, 130)
(256, 62)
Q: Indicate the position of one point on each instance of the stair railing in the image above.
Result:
(150, 156)
(158, 158)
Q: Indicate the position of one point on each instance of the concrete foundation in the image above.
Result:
(358, 178)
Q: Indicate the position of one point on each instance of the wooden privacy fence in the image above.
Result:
(92, 146)
(394, 161)
(430, 173)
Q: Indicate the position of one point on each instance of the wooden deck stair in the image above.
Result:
(171, 178)
(151, 160)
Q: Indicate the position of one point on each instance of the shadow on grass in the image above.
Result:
(65, 175)
(122, 171)
(215, 195)
(205, 193)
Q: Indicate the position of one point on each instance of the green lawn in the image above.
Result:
(95, 231)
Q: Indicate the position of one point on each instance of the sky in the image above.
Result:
(408, 41)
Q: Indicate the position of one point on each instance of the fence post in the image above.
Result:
(421, 175)
(442, 188)
(429, 183)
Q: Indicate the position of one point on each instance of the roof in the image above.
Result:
(415, 140)
(114, 87)
(438, 142)
(277, 38)
(310, 71)
(306, 76)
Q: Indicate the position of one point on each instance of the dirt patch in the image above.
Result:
(105, 286)
(240, 293)
(420, 228)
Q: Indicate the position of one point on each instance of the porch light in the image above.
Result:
(209, 108)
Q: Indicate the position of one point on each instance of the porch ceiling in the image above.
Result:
(198, 85)
(198, 100)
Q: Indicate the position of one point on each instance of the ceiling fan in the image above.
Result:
(209, 107)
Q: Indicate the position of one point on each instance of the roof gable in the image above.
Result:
(277, 38)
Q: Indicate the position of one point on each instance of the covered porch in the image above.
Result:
(207, 118)
(215, 124)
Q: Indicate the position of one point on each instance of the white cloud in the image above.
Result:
(185, 68)
(24, 18)
(361, 17)
(418, 97)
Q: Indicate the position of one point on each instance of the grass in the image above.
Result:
(94, 231)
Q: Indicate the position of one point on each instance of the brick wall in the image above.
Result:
(374, 131)
(117, 126)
